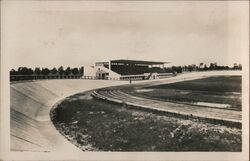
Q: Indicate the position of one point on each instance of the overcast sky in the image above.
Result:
(76, 33)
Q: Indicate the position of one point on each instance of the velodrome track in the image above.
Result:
(207, 113)
(31, 127)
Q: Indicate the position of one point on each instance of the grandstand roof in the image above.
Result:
(139, 61)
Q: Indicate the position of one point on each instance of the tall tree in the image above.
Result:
(205, 67)
(61, 70)
(37, 71)
(54, 71)
(75, 71)
(240, 67)
(30, 71)
(13, 72)
(25, 71)
(45, 71)
(67, 71)
(212, 66)
(81, 70)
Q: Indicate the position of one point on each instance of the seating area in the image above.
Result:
(127, 70)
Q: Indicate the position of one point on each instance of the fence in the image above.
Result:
(34, 77)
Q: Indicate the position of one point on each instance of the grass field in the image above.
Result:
(94, 125)
(219, 89)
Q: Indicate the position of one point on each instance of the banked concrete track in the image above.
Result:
(206, 113)
(31, 127)
(219, 115)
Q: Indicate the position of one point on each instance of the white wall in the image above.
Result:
(89, 71)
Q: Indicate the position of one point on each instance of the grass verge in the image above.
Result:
(94, 125)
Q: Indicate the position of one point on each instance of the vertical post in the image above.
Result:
(109, 68)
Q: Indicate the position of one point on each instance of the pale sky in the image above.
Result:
(77, 33)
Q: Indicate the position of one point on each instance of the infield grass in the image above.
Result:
(94, 125)
(218, 89)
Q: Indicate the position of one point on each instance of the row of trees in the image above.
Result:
(79, 71)
(202, 67)
(46, 71)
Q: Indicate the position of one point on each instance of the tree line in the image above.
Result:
(46, 71)
(202, 67)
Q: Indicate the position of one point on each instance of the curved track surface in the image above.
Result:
(175, 108)
(31, 127)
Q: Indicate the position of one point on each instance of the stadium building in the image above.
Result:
(127, 70)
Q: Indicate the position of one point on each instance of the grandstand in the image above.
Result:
(129, 69)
